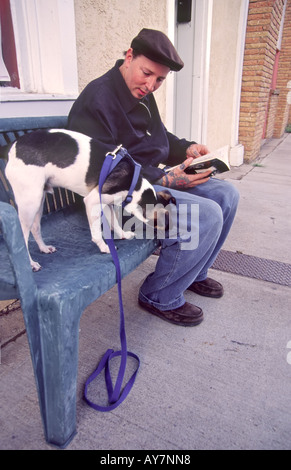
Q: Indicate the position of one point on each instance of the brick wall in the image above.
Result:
(284, 76)
(272, 112)
(260, 50)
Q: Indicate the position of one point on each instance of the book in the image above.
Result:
(217, 163)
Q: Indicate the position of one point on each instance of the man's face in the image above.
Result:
(142, 75)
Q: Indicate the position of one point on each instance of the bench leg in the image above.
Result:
(53, 337)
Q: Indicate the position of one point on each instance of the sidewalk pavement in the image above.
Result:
(225, 384)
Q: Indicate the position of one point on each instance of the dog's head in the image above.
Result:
(150, 206)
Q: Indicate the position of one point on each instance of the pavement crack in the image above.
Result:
(243, 344)
(11, 340)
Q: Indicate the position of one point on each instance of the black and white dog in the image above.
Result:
(45, 159)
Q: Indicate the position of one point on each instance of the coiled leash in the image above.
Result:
(116, 395)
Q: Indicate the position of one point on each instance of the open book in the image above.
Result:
(212, 160)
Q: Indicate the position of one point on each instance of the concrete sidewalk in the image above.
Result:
(225, 384)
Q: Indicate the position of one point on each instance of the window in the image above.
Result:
(41, 62)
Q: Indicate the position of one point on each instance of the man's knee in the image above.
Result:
(212, 216)
(210, 220)
(230, 197)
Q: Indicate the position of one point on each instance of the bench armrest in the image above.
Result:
(14, 241)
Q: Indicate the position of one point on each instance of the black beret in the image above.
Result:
(156, 46)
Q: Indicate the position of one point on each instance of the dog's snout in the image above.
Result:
(165, 198)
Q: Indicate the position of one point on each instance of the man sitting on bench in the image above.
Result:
(119, 108)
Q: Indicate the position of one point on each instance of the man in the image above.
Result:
(119, 108)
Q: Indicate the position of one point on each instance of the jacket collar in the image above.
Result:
(125, 97)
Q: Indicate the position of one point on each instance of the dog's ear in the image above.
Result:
(165, 198)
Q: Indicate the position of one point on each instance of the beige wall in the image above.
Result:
(105, 28)
(222, 81)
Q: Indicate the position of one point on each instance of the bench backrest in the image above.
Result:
(10, 130)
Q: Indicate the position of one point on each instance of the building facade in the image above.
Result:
(231, 95)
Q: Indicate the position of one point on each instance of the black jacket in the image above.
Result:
(107, 111)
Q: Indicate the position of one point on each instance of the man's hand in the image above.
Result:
(196, 150)
(178, 179)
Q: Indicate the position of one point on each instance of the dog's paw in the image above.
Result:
(35, 266)
(127, 235)
(103, 247)
(48, 249)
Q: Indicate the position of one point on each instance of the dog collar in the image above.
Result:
(111, 161)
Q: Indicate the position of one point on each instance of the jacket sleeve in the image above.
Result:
(178, 147)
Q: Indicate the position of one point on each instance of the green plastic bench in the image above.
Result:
(54, 298)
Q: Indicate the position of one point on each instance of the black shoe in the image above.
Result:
(187, 315)
(208, 288)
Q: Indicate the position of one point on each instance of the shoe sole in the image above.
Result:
(151, 310)
(211, 296)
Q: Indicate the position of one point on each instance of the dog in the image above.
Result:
(44, 159)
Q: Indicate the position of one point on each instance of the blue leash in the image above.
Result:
(116, 395)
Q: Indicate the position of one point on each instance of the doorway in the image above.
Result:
(191, 85)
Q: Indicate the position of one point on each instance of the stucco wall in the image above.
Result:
(105, 28)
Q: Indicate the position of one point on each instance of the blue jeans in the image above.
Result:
(178, 266)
